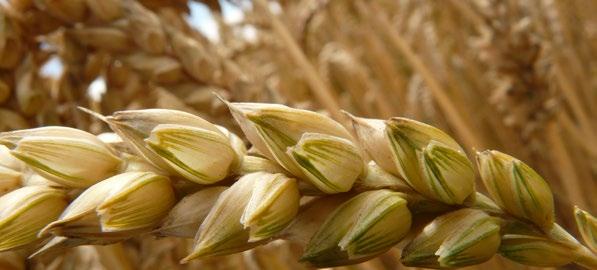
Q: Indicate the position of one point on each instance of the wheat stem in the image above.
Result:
(455, 118)
(318, 87)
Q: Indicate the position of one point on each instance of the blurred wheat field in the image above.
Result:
(515, 76)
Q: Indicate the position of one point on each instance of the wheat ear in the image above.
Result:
(345, 196)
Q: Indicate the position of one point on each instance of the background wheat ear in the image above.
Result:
(514, 76)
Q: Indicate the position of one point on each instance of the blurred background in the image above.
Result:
(515, 76)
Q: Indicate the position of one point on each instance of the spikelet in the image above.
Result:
(188, 214)
(252, 210)
(361, 228)
(104, 38)
(12, 48)
(195, 58)
(116, 208)
(460, 238)
(67, 156)
(180, 143)
(70, 11)
(161, 69)
(28, 90)
(145, 28)
(524, 244)
(587, 226)
(428, 159)
(106, 10)
(25, 211)
(517, 188)
(309, 145)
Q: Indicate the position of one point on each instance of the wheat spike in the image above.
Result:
(349, 227)
(509, 75)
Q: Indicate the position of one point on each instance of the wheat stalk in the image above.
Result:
(352, 210)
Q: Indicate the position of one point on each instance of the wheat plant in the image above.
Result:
(345, 195)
